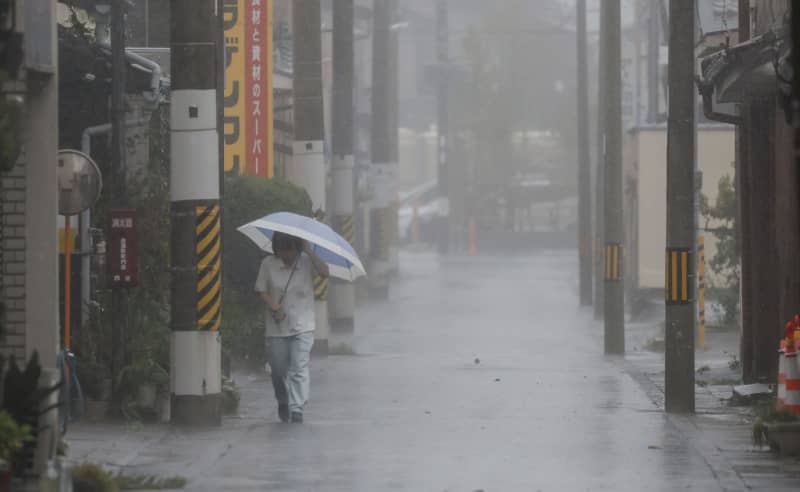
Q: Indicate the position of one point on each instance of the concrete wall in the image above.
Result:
(646, 191)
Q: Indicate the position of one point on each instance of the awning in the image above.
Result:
(746, 70)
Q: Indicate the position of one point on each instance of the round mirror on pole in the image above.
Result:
(79, 182)
(79, 187)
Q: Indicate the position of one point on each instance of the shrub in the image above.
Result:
(12, 437)
(247, 198)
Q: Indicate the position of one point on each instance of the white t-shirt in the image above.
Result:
(298, 303)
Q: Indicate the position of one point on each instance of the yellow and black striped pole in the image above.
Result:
(383, 145)
(307, 169)
(196, 298)
(209, 268)
(679, 268)
(679, 387)
(342, 294)
(613, 263)
(614, 285)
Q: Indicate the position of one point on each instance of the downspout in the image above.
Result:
(706, 92)
(155, 70)
(86, 218)
(155, 78)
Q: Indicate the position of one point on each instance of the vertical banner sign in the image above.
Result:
(123, 249)
(248, 87)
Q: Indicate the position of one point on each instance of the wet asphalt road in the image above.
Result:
(478, 375)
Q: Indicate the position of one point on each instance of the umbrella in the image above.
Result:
(331, 248)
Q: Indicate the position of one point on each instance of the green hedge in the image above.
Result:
(245, 199)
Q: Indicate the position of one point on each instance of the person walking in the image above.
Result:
(285, 283)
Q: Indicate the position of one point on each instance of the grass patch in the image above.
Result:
(148, 482)
(725, 382)
(90, 477)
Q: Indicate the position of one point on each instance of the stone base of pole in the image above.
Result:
(196, 381)
(322, 332)
(342, 298)
(199, 411)
(379, 280)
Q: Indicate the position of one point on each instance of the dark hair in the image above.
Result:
(283, 242)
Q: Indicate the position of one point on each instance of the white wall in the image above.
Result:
(715, 157)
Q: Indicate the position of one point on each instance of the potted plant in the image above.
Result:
(13, 437)
(25, 401)
(141, 385)
(96, 386)
(92, 345)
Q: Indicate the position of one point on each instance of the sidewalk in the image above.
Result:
(479, 374)
(720, 431)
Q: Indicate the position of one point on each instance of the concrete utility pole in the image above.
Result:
(119, 296)
(681, 217)
(796, 88)
(308, 164)
(743, 229)
(653, 54)
(599, 184)
(614, 278)
(195, 193)
(343, 294)
(442, 112)
(584, 165)
(384, 145)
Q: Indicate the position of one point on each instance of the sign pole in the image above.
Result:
(67, 282)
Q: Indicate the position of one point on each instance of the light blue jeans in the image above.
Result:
(289, 360)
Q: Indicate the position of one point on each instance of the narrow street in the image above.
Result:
(478, 375)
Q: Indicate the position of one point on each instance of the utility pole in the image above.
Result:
(795, 87)
(442, 112)
(681, 217)
(307, 169)
(196, 222)
(384, 145)
(343, 294)
(614, 278)
(599, 190)
(584, 165)
(653, 54)
(119, 295)
(743, 226)
(394, 123)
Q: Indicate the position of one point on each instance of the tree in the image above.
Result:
(720, 222)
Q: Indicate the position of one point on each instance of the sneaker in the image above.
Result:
(283, 412)
(297, 418)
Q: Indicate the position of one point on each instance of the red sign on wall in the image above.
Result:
(258, 76)
(123, 249)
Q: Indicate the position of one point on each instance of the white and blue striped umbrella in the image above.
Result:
(331, 248)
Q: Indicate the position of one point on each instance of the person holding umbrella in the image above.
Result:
(285, 283)
(300, 245)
